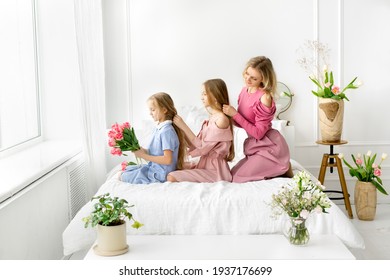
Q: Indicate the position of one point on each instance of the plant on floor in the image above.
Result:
(110, 211)
(366, 170)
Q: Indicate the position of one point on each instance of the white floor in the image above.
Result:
(376, 235)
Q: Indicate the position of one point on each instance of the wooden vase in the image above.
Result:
(331, 117)
(365, 200)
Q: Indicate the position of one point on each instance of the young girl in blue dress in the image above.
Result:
(166, 151)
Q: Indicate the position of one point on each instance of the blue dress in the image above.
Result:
(164, 138)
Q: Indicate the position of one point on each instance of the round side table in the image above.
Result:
(332, 160)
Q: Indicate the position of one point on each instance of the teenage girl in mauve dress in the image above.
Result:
(213, 144)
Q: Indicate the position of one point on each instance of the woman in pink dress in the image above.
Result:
(266, 151)
(214, 143)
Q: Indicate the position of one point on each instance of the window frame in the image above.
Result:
(28, 142)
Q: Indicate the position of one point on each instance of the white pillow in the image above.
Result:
(144, 133)
(239, 137)
(194, 117)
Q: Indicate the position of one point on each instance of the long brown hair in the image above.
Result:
(217, 89)
(264, 66)
(164, 100)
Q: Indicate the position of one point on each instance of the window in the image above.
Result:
(19, 91)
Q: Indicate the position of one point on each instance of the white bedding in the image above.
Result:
(206, 208)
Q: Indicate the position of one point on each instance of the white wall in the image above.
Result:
(175, 45)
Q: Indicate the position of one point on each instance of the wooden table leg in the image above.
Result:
(344, 187)
(324, 165)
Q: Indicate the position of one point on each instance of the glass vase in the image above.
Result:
(297, 232)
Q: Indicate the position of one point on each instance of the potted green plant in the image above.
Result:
(109, 216)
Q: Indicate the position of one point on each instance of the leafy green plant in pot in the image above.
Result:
(109, 216)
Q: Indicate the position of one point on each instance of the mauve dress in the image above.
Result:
(266, 151)
(212, 145)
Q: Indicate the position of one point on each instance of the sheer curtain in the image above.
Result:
(89, 36)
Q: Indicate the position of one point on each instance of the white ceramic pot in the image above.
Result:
(111, 240)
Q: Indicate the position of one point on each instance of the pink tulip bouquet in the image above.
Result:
(327, 88)
(122, 138)
(314, 56)
(366, 170)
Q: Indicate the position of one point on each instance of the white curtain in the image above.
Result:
(89, 36)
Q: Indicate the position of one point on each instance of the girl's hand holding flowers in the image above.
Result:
(140, 153)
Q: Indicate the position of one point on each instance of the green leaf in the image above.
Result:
(379, 187)
(372, 160)
(337, 97)
(108, 211)
(347, 164)
(331, 78)
(316, 82)
(137, 225)
(328, 93)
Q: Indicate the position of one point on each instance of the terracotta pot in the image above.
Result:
(365, 200)
(111, 240)
(331, 117)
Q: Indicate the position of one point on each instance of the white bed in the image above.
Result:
(206, 208)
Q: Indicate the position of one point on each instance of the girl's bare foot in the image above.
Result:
(289, 172)
(170, 178)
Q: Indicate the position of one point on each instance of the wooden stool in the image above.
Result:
(328, 160)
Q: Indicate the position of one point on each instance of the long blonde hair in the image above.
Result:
(264, 66)
(217, 89)
(164, 100)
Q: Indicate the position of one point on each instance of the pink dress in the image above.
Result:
(266, 151)
(212, 145)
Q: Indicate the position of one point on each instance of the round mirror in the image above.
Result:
(283, 98)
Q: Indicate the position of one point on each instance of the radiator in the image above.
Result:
(77, 187)
(33, 220)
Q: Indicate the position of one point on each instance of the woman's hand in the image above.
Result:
(229, 110)
(179, 122)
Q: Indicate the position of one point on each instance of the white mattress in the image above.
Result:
(206, 208)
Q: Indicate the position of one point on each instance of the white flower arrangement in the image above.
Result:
(300, 198)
